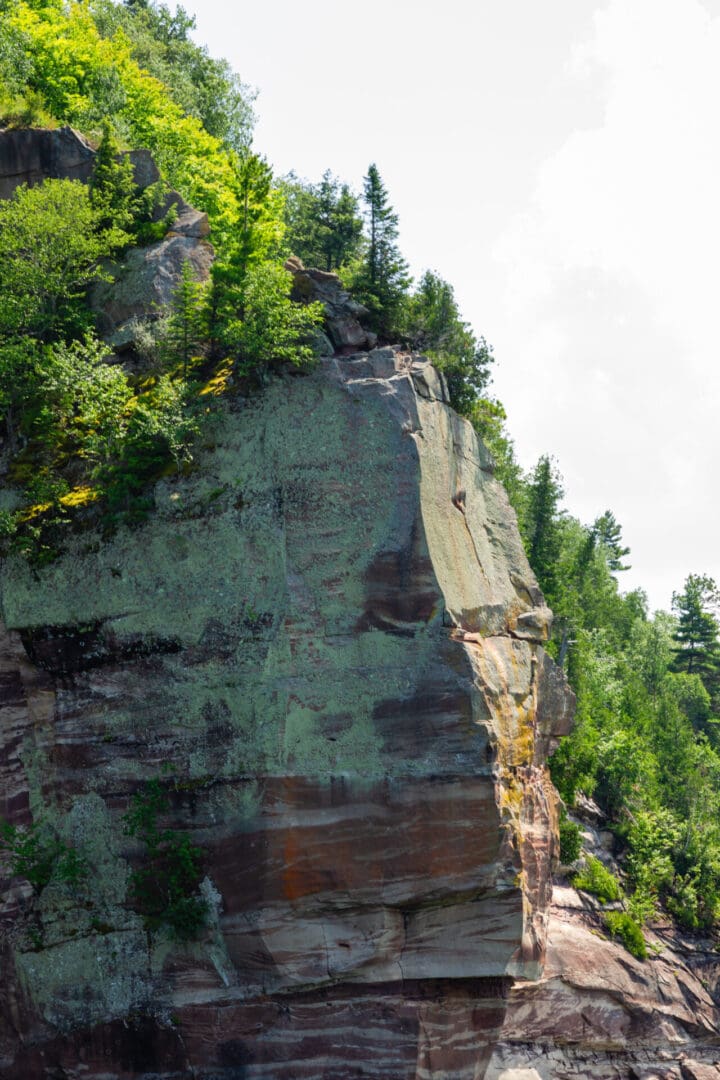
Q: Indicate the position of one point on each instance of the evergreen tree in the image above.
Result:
(324, 226)
(112, 185)
(608, 533)
(382, 280)
(187, 326)
(541, 525)
(697, 650)
(435, 327)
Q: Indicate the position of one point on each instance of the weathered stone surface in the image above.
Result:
(143, 283)
(318, 631)
(31, 155)
(342, 313)
(599, 1012)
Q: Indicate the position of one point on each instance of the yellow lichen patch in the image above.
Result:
(218, 384)
(80, 496)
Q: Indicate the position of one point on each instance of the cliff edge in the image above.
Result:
(329, 635)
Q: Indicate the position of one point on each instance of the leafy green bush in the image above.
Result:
(597, 879)
(164, 887)
(570, 842)
(622, 925)
(36, 853)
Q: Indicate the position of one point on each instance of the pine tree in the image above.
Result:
(112, 185)
(382, 281)
(697, 650)
(608, 532)
(542, 530)
(187, 326)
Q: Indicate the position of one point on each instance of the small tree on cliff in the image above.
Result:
(382, 280)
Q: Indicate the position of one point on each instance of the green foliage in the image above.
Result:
(164, 887)
(36, 853)
(202, 86)
(542, 524)
(570, 840)
(435, 327)
(381, 279)
(697, 649)
(51, 244)
(596, 879)
(622, 925)
(324, 225)
(273, 329)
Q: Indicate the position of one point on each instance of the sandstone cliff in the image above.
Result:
(331, 633)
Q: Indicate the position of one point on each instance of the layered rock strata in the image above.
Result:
(597, 1013)
(330, 635)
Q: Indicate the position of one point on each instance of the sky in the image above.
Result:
(559, 165)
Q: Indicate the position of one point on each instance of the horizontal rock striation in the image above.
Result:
(330, 637)
(597, 1013)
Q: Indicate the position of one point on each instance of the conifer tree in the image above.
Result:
(383, 280)
(608, 532)
(697, 650)
(542, 530)
(112, 185)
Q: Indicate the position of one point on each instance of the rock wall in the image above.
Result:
(330, 634)
(597, 1013)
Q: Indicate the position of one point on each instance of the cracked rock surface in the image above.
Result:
(331, 634)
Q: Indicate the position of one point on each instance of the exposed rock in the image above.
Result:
(597, 1012)
(142, 284)
(342, 313)
(31, 155)
(317, 632)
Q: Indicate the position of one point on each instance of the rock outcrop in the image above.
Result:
(143, 282)
(329, 633)
(346, 334)
(597, 1013)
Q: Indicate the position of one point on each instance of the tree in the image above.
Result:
(697, 649)
(324, 226)
(273, 328)
(50, 251)
(435, 327)
(381, 281)
(541, 524)
(608, 533)
(186, 331)
(112, 185)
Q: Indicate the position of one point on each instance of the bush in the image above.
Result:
(36, 853)
(622, 925)
(164, 887)
(596, 879)
(570, 842)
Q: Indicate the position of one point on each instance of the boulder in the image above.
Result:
(342, 313)
(142, 284)
(31, 155)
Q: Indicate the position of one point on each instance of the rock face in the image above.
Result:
(342, 313)
(330, 635)
(599, 1013)
(31, 155)
(143, 282)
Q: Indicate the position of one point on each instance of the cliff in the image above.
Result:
(331, 635)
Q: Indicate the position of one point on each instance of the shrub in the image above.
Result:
(570, 842)
(622, 925)
(36, 853)
(163, 888)
(596, 879)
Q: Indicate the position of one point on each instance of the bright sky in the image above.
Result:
(559, 164)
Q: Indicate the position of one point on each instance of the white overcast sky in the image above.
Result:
(559, 164)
